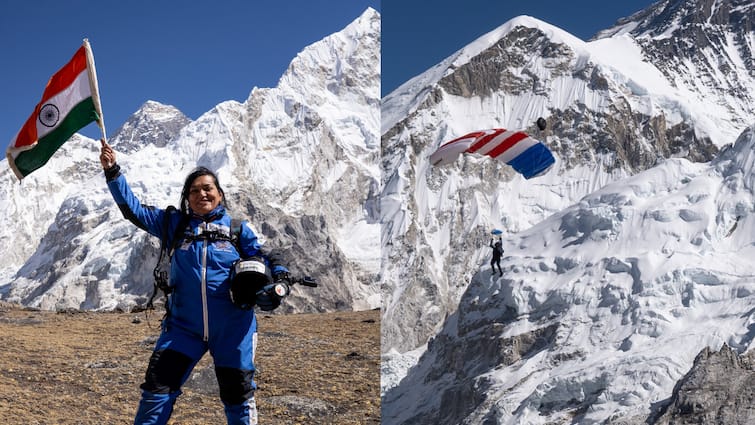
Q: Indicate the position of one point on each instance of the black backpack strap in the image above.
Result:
(165, 231)
(169, 243)
(235, 234)
(160, 275)
(177, 237)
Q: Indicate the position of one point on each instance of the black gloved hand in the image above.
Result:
(267, 299)
(282, 276)
(275, 257)
(112, 172)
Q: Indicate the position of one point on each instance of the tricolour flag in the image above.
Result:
(69, 103)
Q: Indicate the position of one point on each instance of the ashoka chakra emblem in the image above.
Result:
(49, 115)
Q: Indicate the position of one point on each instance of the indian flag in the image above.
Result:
(69, 103)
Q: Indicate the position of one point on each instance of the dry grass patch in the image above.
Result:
(86, 367)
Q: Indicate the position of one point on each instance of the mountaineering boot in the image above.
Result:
(242, 414)
(155, 409)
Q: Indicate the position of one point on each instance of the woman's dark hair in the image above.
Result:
(198, 172)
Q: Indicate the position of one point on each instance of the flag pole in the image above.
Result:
(93, 86)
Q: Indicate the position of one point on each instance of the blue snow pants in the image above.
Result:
(176, 353)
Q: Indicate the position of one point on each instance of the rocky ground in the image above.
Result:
(86, 367)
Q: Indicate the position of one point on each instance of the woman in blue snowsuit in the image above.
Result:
(201, 315)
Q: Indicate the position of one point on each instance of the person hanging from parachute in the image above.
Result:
(497, 252)
(528, 156)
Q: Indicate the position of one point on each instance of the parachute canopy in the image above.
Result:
(496, 232)
(526, 155)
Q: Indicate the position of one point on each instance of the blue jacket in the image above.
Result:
(200, 268)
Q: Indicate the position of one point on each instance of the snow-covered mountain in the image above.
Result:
(301, 160)
(622, 263)
(602, 307)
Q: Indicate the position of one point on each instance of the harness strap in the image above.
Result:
(179, 235)
(160, 275)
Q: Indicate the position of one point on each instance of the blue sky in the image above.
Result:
(196, 54)
(417, 34)
(189, 54)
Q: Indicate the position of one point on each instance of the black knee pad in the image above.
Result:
(166, 371)
(235, 384)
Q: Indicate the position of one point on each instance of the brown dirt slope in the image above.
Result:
(86, 367)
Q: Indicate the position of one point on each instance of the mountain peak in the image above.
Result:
(524, 32)
(157, 109)
(152, 124)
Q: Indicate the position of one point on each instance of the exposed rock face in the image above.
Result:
(702, 46)
(719, 389)
(153, 124)
(496, 68)
(632, 139)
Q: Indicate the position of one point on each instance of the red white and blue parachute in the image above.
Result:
(525, 154)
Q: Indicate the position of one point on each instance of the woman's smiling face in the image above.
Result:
(204, 195)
